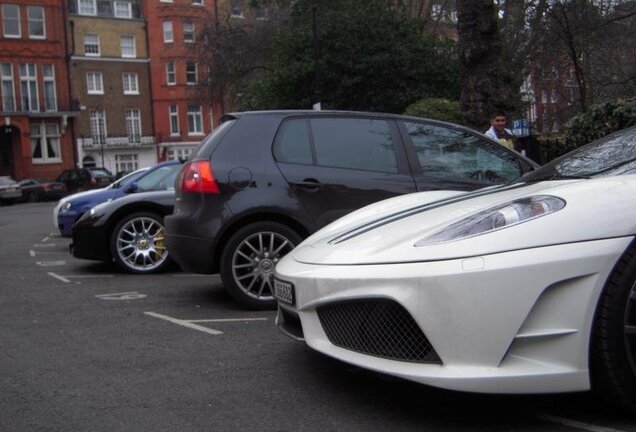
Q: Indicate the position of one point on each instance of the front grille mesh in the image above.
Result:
(379, 327)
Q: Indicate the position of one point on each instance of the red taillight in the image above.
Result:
(46, 186)
(197, 177)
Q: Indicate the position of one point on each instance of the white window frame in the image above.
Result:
(34, 100)
(168, 32)
(42, 134)
(29, 20)
(94, 83)
(173, 116)
(171, 71)
(87, 7)
(49, 79)
(198, 2)
(195, 118)
(176, 153)
(166, 1)
(4, 78)
(130, 83)
(196, 73)
(4, 20)
(97, 121)
(132, 47)
(189, 32)
(92, 44)
(240, 9)
(126, 162)
(133, 124)
(128, 10)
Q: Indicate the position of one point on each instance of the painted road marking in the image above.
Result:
(51, 263)
(45, 239)
(576, 424)
(185, 323)
(44, 245)
(34, 253)
(58, 277)
(90, 276)
(130, 295)
(228, 320)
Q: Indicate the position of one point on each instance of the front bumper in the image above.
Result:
(91, 243)
(514, 322)
(65, 222)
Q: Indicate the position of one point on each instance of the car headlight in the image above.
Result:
(496, 218)
(66, 206)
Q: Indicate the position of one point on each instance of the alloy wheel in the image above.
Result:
(141, 244)
(254, 260)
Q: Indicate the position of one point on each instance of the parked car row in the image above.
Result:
(69, 181)
(476, 271)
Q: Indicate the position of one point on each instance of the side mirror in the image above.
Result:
(131, 188)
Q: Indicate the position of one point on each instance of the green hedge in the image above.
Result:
(601, 120)
(437, 109)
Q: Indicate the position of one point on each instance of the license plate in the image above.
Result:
(284, 291)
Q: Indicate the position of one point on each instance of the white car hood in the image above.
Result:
(386, 232)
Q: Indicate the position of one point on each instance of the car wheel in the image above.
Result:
(32, 197)
(138, 243)
(248, 261)
(613, 357)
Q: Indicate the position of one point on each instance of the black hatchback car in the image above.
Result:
(263, 181)
(80, 179)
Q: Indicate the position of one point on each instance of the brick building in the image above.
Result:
(182, 113)
(110, 79)
(37, 116)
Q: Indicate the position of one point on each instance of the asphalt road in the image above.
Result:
(85, 347)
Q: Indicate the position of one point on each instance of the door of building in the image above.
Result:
(8, 135)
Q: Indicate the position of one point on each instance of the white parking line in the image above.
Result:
(58, 277)
(227, 320)
(91, 276)
(45, 239)
(185, 323)
(576, 424)
(32, 253)
(44, 245)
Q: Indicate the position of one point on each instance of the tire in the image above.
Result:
(613, 345)
(138, 243)
(32, 197)
(247, 262)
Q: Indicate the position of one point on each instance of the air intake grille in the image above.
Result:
(378, 327)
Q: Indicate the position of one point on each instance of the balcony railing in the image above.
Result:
(120, 141)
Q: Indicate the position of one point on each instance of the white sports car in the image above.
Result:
(528, 287)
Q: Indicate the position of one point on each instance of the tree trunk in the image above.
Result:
(484, 87)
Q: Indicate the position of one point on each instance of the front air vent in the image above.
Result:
(378, 327)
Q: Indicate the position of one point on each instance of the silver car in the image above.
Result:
(9, 190)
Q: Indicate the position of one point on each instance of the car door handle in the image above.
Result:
(310, 185)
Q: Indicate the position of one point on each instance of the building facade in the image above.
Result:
(110, 78)
(183, 114)
(37, 116)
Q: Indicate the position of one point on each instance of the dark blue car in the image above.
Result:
(158, 177)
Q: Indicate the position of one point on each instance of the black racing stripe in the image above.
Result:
(415, 210)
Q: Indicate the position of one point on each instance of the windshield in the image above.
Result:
(159, 179)
(6, 181)
(612, 155)
(128, 178)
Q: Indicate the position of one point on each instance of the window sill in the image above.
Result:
(196, 134)
(131, 93)
(46, 161)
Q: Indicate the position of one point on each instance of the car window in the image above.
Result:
(357, 143)
(64, 176)
(159, 179)
(99, 172)
(292, 144)
(445, 153)
(73, 175)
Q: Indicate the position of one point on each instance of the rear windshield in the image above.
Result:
(6, 181)
(210, 143)
(100, 172)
